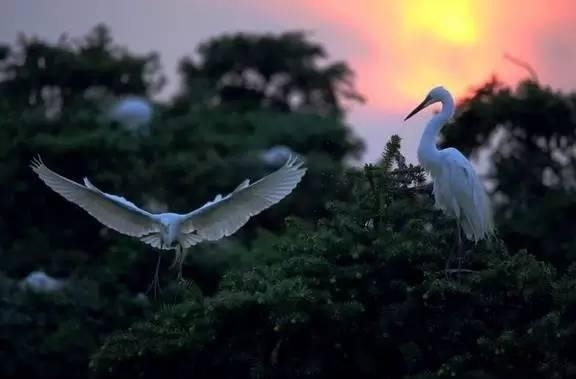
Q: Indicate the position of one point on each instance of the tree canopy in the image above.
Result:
(345, 277)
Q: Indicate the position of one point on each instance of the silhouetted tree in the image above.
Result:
(345, 297)
(52, 99)
(281, 72)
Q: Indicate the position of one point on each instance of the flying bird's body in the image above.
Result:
(214, 220)
(458, 191)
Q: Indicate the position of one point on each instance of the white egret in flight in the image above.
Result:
(458, 191)
(214, 220)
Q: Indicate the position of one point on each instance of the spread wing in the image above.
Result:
(225, 215)
(113, 211)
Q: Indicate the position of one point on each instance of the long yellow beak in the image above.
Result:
(421, 106)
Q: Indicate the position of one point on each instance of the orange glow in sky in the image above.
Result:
(425, 17)
(418, 44)
(399, 49)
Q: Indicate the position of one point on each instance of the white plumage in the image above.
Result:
(276, 155)
(460, 194)
(132, 112)
(214, 220)
(38, 281)
(458, 191)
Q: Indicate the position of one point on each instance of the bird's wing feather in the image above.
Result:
(225, 215)
(190, 239)
(468, 191)
(154, 240)
(113, 211)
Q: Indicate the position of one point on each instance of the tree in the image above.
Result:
(51, 100)
(48, 109)
(49, 112)
(279, 72)
(344, 298)
(58, 76)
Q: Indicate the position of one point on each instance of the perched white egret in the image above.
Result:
(214, 220)
(458, 191)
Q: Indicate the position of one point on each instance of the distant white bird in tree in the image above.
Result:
(458, 191)
(276, 155)
(38, 281)
(132, 112)
(214, 220)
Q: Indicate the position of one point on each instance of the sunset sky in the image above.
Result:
(398, 48)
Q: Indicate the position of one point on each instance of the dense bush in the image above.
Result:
(342, 298)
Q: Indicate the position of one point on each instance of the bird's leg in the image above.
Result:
(177, 254)
(459, 251)
(183, 253)
(179, 259)
(156, 281)
(455, 251)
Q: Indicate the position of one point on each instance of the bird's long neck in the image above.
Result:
(427, 149)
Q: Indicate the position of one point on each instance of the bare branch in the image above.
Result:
(524, 65)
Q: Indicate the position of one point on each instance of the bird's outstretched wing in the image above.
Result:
(225, 215)
(113, 211)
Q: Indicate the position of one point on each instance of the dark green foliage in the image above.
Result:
(343, 298)
(52, 98)
(39, 74)
(44, 333)
(285, 73)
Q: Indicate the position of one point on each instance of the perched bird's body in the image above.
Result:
(166, 231)
(458, 191)
(464, 199)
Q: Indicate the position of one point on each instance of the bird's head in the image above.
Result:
(435, 95)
